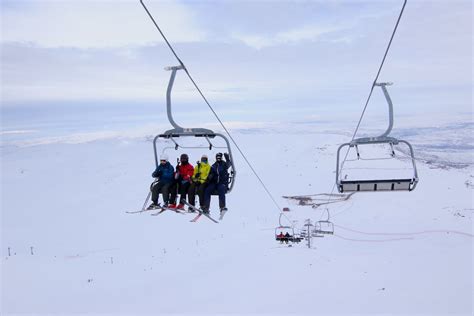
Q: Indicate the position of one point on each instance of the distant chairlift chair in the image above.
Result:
(402, 184)
(322, 228)
(286, 234)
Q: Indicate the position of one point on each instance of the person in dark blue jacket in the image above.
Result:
(218, 179)
(165, 178)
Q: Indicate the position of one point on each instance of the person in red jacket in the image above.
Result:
(183, 174)
(280, 237)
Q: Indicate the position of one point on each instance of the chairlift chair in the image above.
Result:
(202, 133)
(387, 184)
(283, 230)
(323, 228)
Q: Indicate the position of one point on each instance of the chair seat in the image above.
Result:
(215, 192)
(376, 185)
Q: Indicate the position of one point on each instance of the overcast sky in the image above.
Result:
(308, 57)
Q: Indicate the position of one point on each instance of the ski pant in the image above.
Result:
(198, 188)
(155, 191)
(182, 189)
(221, 189)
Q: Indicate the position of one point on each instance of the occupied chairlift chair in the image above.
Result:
(179, 131)
(404, 184)
(286, 229)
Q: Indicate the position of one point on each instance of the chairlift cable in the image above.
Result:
(213, 111)
(380, 69)
(372, 88)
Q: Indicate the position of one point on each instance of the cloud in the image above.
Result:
(330, 59)
(307, 33)
(96, 24)
(15, 132)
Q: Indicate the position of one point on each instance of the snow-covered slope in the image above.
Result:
(69, 247)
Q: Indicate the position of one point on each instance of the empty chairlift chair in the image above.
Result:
(377, 184)
(323, 228)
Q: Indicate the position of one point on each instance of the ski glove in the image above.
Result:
(157, 174)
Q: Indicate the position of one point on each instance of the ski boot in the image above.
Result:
(153, 206)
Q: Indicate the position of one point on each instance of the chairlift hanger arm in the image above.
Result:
(390, 107)
(176, 127)
(383, 138)
(168, 95)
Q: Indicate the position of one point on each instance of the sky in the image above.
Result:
(252, 59)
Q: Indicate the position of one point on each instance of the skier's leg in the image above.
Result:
(173, 192)
(155, 192)
(221, 188)
(185, 190)
(165, 192)
(207, 196)
(192, 193)
(200, 191)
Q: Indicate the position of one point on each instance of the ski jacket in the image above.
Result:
(219, 173)
(184, 172)
(201, 172)
(164, 172)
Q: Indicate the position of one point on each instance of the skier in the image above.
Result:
(164, 179)
(183, 174)
(280, 237)
(198, 181)
(218, 179)
(287, 237)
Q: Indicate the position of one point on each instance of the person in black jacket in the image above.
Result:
(218, 179)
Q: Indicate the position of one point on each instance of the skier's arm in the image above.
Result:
(196, 173)
(211, 175)
(157, 173)
(227, 160)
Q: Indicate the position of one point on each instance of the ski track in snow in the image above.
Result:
(392, 253)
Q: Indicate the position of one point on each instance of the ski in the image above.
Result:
(221, 217)
(201, 212)
(144, 210)
(196, 218)
(176, 210)
(136, 212)
(158, 213)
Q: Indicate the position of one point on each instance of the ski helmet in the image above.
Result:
(219, 156)
(164, 157)
(184, 158)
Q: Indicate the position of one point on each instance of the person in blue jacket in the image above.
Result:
(218, 179)
(164, 174)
